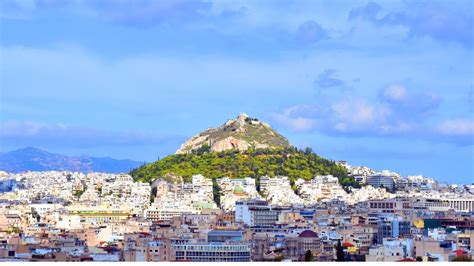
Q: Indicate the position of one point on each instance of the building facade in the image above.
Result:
(212, 252)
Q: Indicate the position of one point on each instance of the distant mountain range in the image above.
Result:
(33, 159)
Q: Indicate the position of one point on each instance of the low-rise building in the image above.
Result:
(212, 252)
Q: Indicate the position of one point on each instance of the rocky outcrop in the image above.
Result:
(240, 134)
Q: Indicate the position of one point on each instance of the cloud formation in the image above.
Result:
(135, 13)
(398, 112)
(457, 130)
(456, 127)
(348, 117)
(145, 13)
(414, 105)
(311, 32)
(436, 22)
(27, 133)
(367, 12)
(327, 80)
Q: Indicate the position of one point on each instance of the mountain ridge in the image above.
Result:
(35, 159)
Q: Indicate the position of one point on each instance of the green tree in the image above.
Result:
(253, 163)
(216, 192)
(201, 150)
(78, 193)
(308, 256)
(279, 258)
(154, 190)
(462, 258)
(340, 256)
(35, 215)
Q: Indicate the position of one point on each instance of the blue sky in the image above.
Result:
(387, 84)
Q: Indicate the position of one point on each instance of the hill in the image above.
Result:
(33, 159)
(241, 133)
(242, 147)
(252, 163)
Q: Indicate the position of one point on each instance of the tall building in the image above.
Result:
(381, 181)
(392, 227)
(255, 213)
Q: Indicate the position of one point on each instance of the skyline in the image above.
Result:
(382, 84)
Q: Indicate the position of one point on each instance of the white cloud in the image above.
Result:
(355, 112)
(350, 116)
(394, 92)
(294, 123)
(356, 117)
(456, 127)
(409, 104)
(399, 112)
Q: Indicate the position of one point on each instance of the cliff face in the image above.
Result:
(240, 134)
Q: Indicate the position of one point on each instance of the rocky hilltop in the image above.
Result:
(239, 134)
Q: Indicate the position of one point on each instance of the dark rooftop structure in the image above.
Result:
(308, 233)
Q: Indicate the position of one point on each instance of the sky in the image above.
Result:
(386, 84)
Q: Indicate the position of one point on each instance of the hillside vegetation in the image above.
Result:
(251, 163)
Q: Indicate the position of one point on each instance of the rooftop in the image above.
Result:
(308, 233)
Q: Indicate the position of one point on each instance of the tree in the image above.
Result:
(279, 258)
(35, 215)
(253, 163)
(216, 190)
(340, 256)
(201, 150)
(154, 190)
(462, 258)
(308, 256)
(78, 193)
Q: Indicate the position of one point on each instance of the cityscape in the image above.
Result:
(248, 132)
(74, 216)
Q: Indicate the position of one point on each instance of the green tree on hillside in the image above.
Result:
(252, 163)
(340, 256)
(308, 256)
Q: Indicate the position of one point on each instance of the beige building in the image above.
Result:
(425, 247)
(145, 247)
